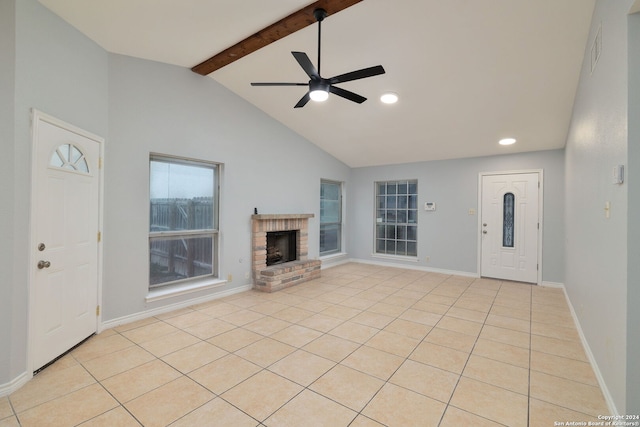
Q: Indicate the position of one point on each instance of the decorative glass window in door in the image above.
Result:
(397, 218)
(68, 156)
(508, 211)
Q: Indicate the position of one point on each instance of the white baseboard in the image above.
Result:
(413, 267)
(15, 384)
(171, 307)
(554, 285)
(594, 365)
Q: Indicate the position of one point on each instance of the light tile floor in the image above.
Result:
(362, 346)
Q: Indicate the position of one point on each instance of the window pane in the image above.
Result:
(382, 189)
(412, 249)
(181, 197)
(381, 231)
(412, 216)
(401, 247)
(391, 202)
(392, 188)
(413, 201)
(402, 188)
(412, 232)
(180, 258)
(402, 232)
(402, 202)
(329, 238)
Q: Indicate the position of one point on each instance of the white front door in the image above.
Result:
(510, 226)
(65, 225)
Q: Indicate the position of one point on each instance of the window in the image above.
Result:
(507, 220)
(397, 218)
(183, 220)
(68, 156)
(330, 217)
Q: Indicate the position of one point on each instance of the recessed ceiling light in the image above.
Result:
(389, 98)
(507, 141)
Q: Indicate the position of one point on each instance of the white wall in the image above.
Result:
(449, 236)
(596, 256)
(170, 110)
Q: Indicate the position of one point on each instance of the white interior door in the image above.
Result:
(510, 226)
(65, 225)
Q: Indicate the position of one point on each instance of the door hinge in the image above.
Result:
(97, 310)
(99, 162)
(537, 267)
(99, 236)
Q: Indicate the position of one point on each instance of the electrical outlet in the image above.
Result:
(246, 275)
(230, 278)
(427, 259)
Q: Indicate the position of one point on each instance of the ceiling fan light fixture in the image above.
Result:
(319, 95)
(507, 141)
(389, 98)
(319, 91)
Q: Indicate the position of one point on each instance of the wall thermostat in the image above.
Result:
(429, 206)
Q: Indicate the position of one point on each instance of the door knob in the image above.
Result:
(43, 264)
(484, 231)
(484, 225)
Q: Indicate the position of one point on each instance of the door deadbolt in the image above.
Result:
(484, 231)
(41, 247)
(43, 264)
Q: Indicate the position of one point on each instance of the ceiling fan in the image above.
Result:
(320, 87)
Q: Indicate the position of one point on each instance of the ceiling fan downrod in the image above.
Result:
(319, 14)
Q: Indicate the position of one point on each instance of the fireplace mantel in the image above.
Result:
(268, 217)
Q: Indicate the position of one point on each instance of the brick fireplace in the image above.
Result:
(283, 275)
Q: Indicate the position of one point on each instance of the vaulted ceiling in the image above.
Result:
(467, 72)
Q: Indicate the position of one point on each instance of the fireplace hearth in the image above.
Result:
(280, 251)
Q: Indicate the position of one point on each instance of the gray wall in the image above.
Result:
(7, 95)
(62, 73)
(633, 231)
(596, 256)
(449, 236)
(170, 110)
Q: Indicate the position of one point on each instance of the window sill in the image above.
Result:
(329, 257)
(396, 257)
(170, 291)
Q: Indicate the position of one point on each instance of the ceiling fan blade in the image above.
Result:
(355, 75)
(306, 65)
(347, 94)
(279, 84)
(303, 101)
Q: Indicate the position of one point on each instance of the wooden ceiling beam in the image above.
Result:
(274, 32)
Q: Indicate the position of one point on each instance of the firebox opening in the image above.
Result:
(281, 246)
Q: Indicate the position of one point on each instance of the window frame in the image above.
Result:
(339, 223)
(212, 232)
(409, 213)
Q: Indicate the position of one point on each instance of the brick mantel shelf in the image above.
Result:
(284, 275)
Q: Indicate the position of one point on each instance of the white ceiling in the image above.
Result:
(468, 72)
